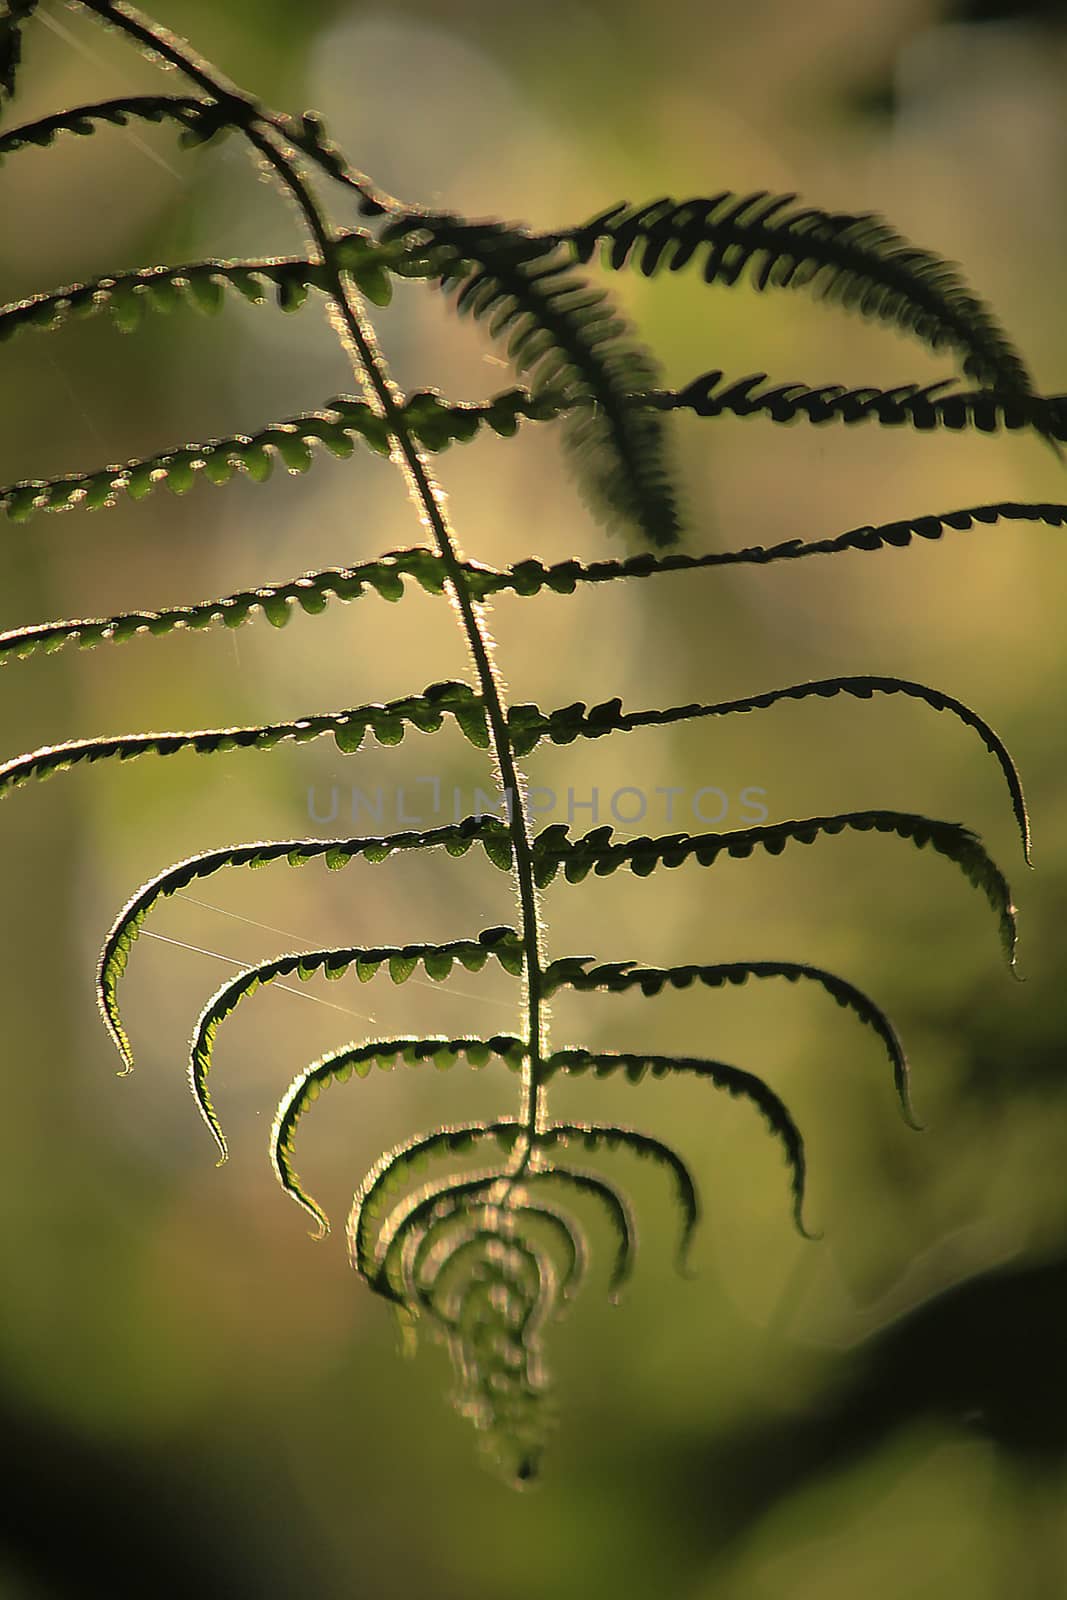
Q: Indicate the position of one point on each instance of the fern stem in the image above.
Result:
(358, 338)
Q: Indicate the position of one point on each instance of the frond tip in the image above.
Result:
(732, 1079)
(616, 977)
(598, 852)
(357, 1060)
(528, 724)
(457, 839)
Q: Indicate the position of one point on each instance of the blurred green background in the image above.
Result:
(193, 1397)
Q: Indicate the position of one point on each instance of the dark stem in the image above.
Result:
(358, 337)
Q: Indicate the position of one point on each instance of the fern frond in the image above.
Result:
(312, 591)
(563, 577)
(199, 118)
(434, 1257)
(495, 1255)
(401, 961)
(456, 838)
(358, 1059)
(616, 1207)
(528, 724)
(514, 1282)
(530, 577)
(433, 422)
(596, 851)
(732, 1079)
(505, 1256)
(436, 424)
(396, 1166)
(387, 722)
(595, 1135)
(126, 296)
(617, 976)
(854, 260)
(409, 1216)
(921, 406)
(564, 332)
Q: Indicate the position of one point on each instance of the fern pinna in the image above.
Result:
(486, 1255)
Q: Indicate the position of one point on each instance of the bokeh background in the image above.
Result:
(196, 1399)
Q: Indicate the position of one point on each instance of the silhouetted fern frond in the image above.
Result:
(566, 334)
(477, 1231)
(855, 260)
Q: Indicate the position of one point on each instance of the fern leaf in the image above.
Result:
(407, 1219)
(920, 406)
(433, 422)
(456, 838)
(487, 1245)
(199, 118)
(433, 1258)
(312, 591)
(732, 1079)
(358, 1059)
(436, 424)
(128, 295)
(498, 1302)
(616, 1207)
(387, 722)
(217, 460)
(530, 577)
(563, 1227)
(597, 852)
(565, 333)
(505, 1257)
(528, 725)
(854, 260)
(400, 960)
(597, 1135)
(618, 976)
(397, 1166)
